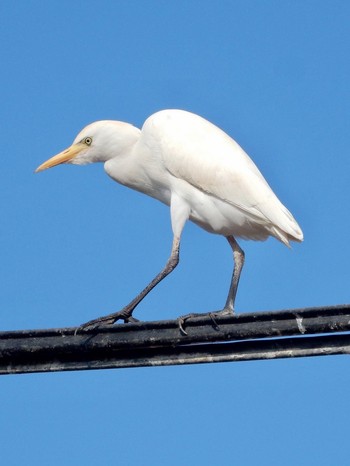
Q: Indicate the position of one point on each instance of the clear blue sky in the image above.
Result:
(75, 245)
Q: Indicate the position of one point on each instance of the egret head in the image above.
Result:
(97, 142)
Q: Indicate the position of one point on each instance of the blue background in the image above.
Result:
(75, 245)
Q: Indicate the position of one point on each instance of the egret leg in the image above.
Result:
(126, 313)
(238, 258)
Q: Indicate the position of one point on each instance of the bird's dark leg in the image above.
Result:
(126, 313)
(238, 257)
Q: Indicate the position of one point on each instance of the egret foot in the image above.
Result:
(212, 315)
(110, 319)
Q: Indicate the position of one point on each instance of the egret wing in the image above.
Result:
(198, 152)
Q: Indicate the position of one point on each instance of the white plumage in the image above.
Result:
(190, 164)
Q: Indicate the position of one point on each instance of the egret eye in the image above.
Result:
(87, 141)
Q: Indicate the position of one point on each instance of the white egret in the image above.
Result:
(194, 167)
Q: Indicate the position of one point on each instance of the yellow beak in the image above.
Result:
(63, 157)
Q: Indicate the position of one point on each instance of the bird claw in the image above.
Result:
(215, 324)
(181, 320)
(107, 320)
